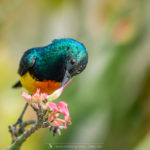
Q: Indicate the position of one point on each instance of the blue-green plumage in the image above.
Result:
(51, 62)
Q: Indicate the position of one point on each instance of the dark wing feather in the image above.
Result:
(26, 63)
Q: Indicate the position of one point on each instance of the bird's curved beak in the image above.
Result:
(66, 78)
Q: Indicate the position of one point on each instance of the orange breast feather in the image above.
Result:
(31, 85)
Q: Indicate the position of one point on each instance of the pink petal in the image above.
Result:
(52, 106)
(63, 108)
(67, 119)
(50, 116)
(43, 96)
(26, 96)
(58, 122)
(36, 96)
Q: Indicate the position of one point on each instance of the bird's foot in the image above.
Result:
(55, 130)
(18, 127)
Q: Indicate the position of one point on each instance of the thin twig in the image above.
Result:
(28, 122)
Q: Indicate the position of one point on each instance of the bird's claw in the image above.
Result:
(20, 129)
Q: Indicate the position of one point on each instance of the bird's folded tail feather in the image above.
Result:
(17, 85)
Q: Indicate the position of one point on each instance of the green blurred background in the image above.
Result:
(110, 101)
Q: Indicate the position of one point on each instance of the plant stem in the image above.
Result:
(21, 139)
(16, 145)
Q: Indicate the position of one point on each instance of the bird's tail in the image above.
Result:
(17, 85)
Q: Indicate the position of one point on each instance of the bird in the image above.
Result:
(50, 67)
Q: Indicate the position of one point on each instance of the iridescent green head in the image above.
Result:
(74, 52)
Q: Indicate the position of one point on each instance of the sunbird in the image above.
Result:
(50, 67)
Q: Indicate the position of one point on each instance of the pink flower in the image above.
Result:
(52, 106)
(55, 110)
(36, 96)
(26, 96)
(63, 108)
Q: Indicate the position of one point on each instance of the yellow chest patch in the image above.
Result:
(31, 85)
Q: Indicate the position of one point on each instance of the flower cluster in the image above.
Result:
(55, 111)
(44, 101)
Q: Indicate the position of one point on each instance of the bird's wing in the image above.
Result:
(27, 61)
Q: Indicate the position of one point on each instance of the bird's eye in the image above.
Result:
(73, 61)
